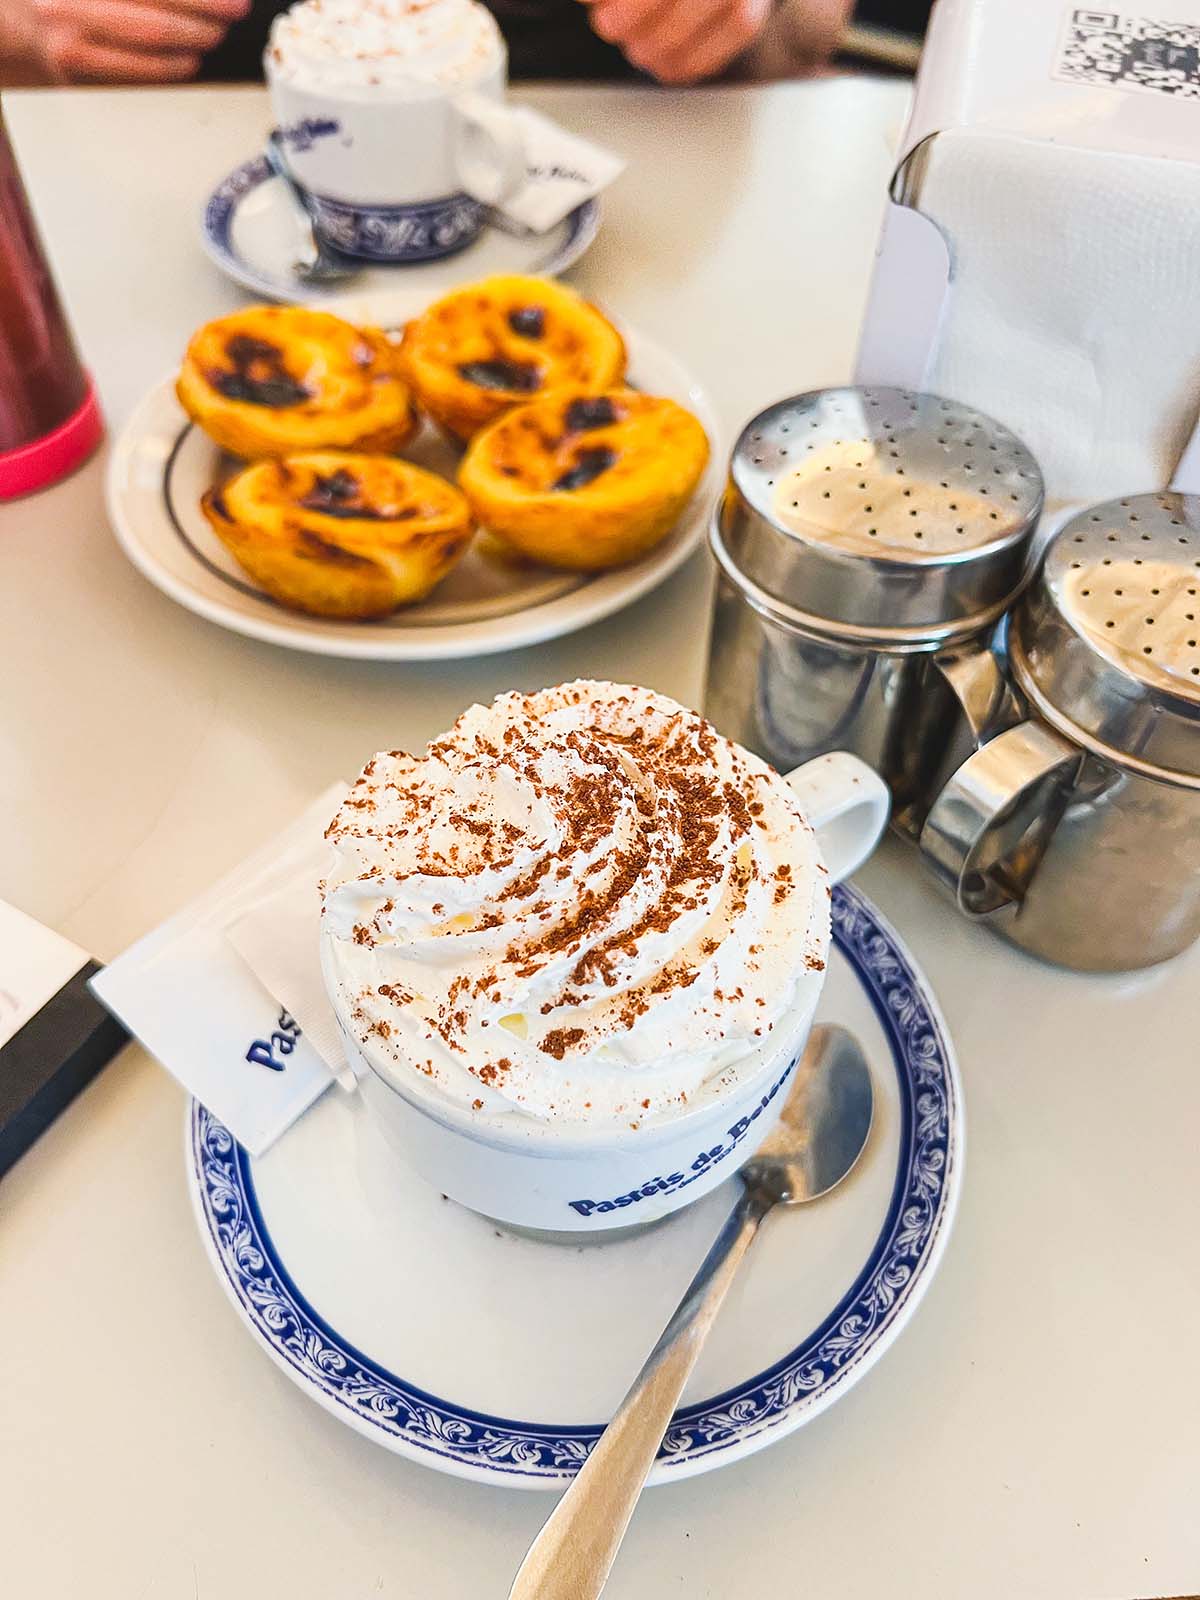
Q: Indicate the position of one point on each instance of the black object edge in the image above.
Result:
(50, 1059)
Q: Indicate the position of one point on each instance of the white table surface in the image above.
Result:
(1037, 1430)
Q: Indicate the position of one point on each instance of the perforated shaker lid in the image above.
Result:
(1107, 640)
(879, 512)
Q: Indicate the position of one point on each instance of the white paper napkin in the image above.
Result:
(562, 171)
(1071, 311)
(227, 993)
(279, 940)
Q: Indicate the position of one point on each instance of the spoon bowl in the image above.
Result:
(316, 265)
(824, 1125)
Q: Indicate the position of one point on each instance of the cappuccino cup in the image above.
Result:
(574, 950)
(392, 119)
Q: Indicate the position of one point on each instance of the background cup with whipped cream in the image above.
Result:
(575, 949)
(392, 120)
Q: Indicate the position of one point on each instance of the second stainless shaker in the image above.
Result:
(1076, 832)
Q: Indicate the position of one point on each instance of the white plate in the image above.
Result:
(447, 1339)
(249, 228)
(161, 464)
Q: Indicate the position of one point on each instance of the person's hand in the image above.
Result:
(117, 41)
(679, 41)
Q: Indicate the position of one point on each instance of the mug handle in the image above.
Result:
(989, 827)
(847, 803)
(489, 149)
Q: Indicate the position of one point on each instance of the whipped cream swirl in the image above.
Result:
(327, 44)
(580, 904)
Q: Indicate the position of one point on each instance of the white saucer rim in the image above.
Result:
(583, 221)
(675, 1465)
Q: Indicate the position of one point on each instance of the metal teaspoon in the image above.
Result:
(317, 265)
(821, 1133)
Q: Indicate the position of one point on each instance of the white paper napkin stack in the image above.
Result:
(1041, 243)
(1072, 306)
(228, 996)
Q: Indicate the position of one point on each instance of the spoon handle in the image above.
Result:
(278, 164)
(573, 1554)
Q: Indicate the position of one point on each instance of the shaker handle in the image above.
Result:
(989, 827)
(984, 694)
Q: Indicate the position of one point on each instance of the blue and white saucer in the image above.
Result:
(249, 228)
(497, 1357)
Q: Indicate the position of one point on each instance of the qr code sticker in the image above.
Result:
(1104, 47)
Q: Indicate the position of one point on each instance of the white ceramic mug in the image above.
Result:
(402, 173)
(563, 1178)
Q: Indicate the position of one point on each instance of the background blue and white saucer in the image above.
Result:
(248, 227)
(496, 1357)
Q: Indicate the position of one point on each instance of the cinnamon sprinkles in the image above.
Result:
(559, 1040)
(553, 877)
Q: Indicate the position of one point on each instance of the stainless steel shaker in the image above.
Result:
(868, 540)
(1076, 832)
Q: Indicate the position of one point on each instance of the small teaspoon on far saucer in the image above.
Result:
(317, 265)
(822, 1130)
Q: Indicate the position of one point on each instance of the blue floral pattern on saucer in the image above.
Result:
(444, 229)
(398, 235)
(896, 1272)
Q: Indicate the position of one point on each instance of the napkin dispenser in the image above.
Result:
(1041, 243)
